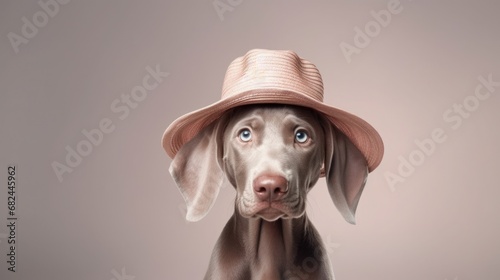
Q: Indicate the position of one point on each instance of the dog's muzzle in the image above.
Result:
(269, 190)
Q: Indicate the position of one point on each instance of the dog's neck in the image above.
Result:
(271, 245)
(269, 240)
(256, 249)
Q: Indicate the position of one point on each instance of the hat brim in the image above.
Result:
(361, 134)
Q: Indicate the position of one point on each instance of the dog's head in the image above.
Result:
(272, 155)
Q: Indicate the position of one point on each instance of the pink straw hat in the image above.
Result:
(274, 76)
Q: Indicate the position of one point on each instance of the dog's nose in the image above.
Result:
(270, 187)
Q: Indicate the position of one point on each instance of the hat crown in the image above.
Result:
(280, 70)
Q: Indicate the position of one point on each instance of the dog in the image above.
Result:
(272, 155)
(271, 137)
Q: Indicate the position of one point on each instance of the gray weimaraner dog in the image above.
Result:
(272, 155)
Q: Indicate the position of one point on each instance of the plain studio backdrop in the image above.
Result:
(88, 87)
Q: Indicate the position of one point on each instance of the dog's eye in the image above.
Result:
(245, 135)
(301, 136)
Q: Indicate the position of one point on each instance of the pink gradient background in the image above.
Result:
(120, 208)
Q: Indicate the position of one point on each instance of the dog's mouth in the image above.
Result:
(270, 211)
(270, 214)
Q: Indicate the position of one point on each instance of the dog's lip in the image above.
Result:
(271, 210)
(270, 214)
(268, 210)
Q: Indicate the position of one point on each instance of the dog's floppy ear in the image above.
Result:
(346, 171)
(196, 169)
